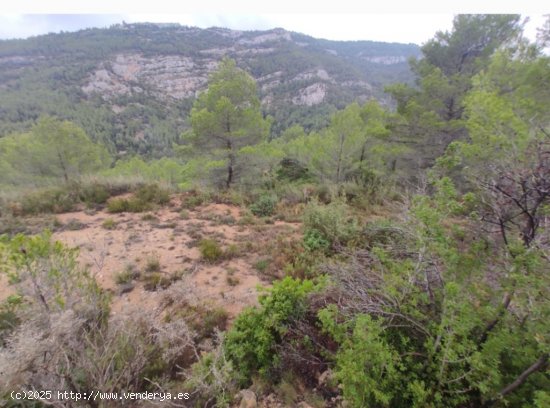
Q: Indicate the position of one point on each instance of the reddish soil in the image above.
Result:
(173, 239)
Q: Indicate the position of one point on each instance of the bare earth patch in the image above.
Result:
(112, 243)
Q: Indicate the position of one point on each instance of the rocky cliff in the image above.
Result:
(148, 73)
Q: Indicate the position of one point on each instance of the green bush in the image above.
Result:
(251, 343)
(109, 224)
(155, 281)
(315, 241)
(137, 205)
(194, 199)
(143, 200)
(328, 223)
(152, 193)
(374, 187)
(262, 265)
(210, 250)
(53, 200)
(232, 251)
(292, 170)
(152, 264)
(8, 316)
(367, 366)
(94, 193)
(126, 276)
(292, 194)
(117, 205)
(264, 206)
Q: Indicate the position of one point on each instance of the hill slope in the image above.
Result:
(132, 86)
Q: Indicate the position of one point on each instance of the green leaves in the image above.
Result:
(353, 143)
(227, 118)
(250, 344)
(46, 272)
(51, 151)
(367, 367)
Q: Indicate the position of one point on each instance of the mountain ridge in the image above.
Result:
(132, 77)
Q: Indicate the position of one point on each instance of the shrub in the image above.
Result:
(94, 193)
(232, 251)
(324, 194)
(53, 200)
(152, 193)
(369, 185)
(251, 343)
(261, 265)
(214, 320)
(123, 277)
(292, 194)
(152, 264)
(232, 281)
(143, 200)
(127, 275)
(289, 257)
(213, 378)
(8, 316)
(155, 281)
(315, 241)
(292, 170)
(149, 217)
(109, 224)
(247, 219)
(74, 225)
(117, 205)
(194, 199)
(367, 366)
(264, 206)
(328, 223)
(210, 250)
(137, 205)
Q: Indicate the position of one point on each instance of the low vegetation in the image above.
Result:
(415, 275)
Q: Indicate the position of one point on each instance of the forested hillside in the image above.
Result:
(387, 257)
(132, 86)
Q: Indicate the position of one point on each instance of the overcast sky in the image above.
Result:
(391, 21)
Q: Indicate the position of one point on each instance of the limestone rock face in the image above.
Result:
(166, 76)
(265, 54)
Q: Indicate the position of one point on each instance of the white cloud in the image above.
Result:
(390, 27)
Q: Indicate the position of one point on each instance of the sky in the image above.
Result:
(392, 21)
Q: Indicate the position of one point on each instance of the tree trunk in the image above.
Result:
(230, 165)
(63, 167)
(538, 365)
(229, 173)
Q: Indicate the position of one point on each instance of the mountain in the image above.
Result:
(132, 85)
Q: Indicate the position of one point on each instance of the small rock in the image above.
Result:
(125, 288)
(248, 399)
(303, 404)
(325, 377)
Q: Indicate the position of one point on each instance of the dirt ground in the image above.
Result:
(170, 238)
